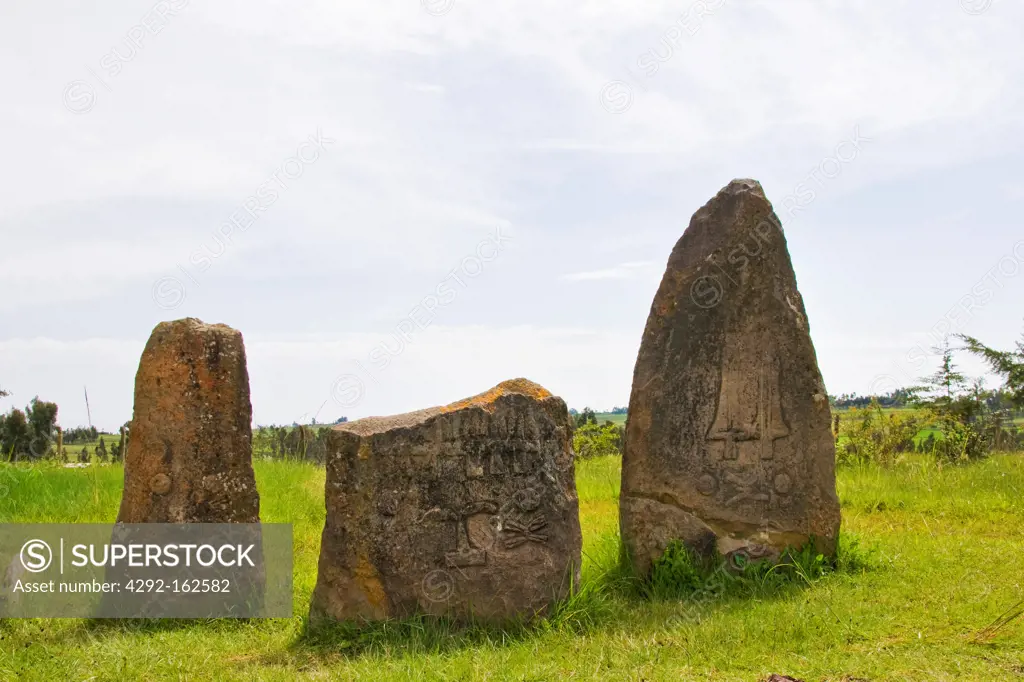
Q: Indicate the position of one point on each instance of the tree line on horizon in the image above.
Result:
(956, 418)
(965, 420)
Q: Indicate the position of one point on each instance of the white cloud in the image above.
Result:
(447, 126)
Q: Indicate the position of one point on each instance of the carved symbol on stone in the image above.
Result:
(747, 488)
(465, 553)
(745, 415)
(522, 531)
(783, 484)
(474, 469)
(707, 484)
(160, 484)
(497, 466)
(527, 500)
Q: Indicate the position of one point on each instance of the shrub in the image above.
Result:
(962, 440)
(959, 411)
(593, 440)
(678, 572)
(871, 436)
(926, 445)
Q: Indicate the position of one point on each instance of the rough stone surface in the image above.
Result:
(728, 440)
(467, 511)
(189, 458)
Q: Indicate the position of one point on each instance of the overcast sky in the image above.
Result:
(510, 175)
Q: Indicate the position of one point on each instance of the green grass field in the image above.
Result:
(943, 561)
(847, 415)
(74, 451)
(619, 419)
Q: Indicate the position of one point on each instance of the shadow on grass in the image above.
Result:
(681, 593)
(589, 605)
(610, 599)
(77, 632)
(119, 626)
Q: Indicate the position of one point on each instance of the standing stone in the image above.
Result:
(468, 511)
(189, 457)
(728, 440)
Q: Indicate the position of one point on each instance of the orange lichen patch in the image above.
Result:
(486, 399)
(369, 426)
(369, 584)
(663, 305)
(365, 450)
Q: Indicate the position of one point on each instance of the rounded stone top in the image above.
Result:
(739, 187)
(194, 324)
(485, 400)
(744, 185)
(173, 335)
(740, 195)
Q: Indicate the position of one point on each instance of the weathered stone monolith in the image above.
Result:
(466, 511)
(728, 440)
(189, 457)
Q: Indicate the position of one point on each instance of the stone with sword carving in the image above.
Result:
(467, 510)
(728, 441)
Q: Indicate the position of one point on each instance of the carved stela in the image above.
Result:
(749, 409)
(728, 442)
(744, 438)
(467, 510)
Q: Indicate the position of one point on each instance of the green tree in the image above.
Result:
(15, 435)
(587, 416)
(1008, 365)
(959, 412)
(81, 434)
(42, 423)
(101, 450)
(947, 382)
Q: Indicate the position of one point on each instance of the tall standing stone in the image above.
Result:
(189, 457)
(728, 440)
(468, 511)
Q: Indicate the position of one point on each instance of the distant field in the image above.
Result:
(846, 414)
(73, 451)
(843, 413)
